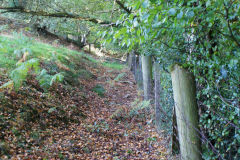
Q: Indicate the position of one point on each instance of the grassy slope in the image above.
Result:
(60, 105)
(39, 50)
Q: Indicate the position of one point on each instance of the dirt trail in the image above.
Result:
(98, 136)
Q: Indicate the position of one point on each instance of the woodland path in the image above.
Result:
(97, 135)
(100, 137)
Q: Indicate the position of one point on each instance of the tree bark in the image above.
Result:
(184, 91)
(147, 76)
(20, 9)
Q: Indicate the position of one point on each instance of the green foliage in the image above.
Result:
(19, 75)
(21, 40)
(32, 67)
(101, 126)
(99, 89)
(19, 53)
(9, 86)
(113, 65)
(139, 106)
(48, 64)
(119, 113)
(119, 77)
(85, 74)
(46, 80)
(56, 78)
(139, 109)
(201, 35)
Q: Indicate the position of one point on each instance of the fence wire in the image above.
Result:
(209, 149)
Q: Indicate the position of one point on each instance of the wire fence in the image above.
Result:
(211, 147)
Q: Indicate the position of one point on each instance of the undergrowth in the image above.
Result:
(139, 109)
(30, 89)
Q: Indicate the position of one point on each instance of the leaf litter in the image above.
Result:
(77, 123)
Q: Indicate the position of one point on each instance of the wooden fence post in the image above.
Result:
(147, 76)
(184, 91)
(140, 74)
(157, 90)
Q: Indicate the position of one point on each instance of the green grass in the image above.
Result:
(12, 50)
(113, 65)
(42, 51)
(71, 64)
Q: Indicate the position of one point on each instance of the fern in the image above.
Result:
(56, 78)
(120, 76)
(46, 80)
(22, 40)
(118, 113)
(19, 74)
(124, 112)
(139, 107)
(19, 53)
(99, 89)
(9, 86)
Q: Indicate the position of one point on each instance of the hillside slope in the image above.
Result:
(85, 115)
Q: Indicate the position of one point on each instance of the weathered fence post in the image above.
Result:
(133, 64)
(147, 76)
(140, 74)
(157, 91)
(184, 91)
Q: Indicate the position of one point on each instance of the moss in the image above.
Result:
(172, 67)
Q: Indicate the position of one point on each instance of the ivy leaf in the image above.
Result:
(172, 11)
(145, 16)
(180, 15)
(190, 14)
(135, 22)
(56, 78)
(145, 4)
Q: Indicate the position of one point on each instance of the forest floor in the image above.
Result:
(101, 135)
(98, 117)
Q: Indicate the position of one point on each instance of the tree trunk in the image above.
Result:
(89, 48)
(184, 91)
(147, 76)
(157, 90)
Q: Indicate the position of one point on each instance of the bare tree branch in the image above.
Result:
(123, 7)
(56, 15)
